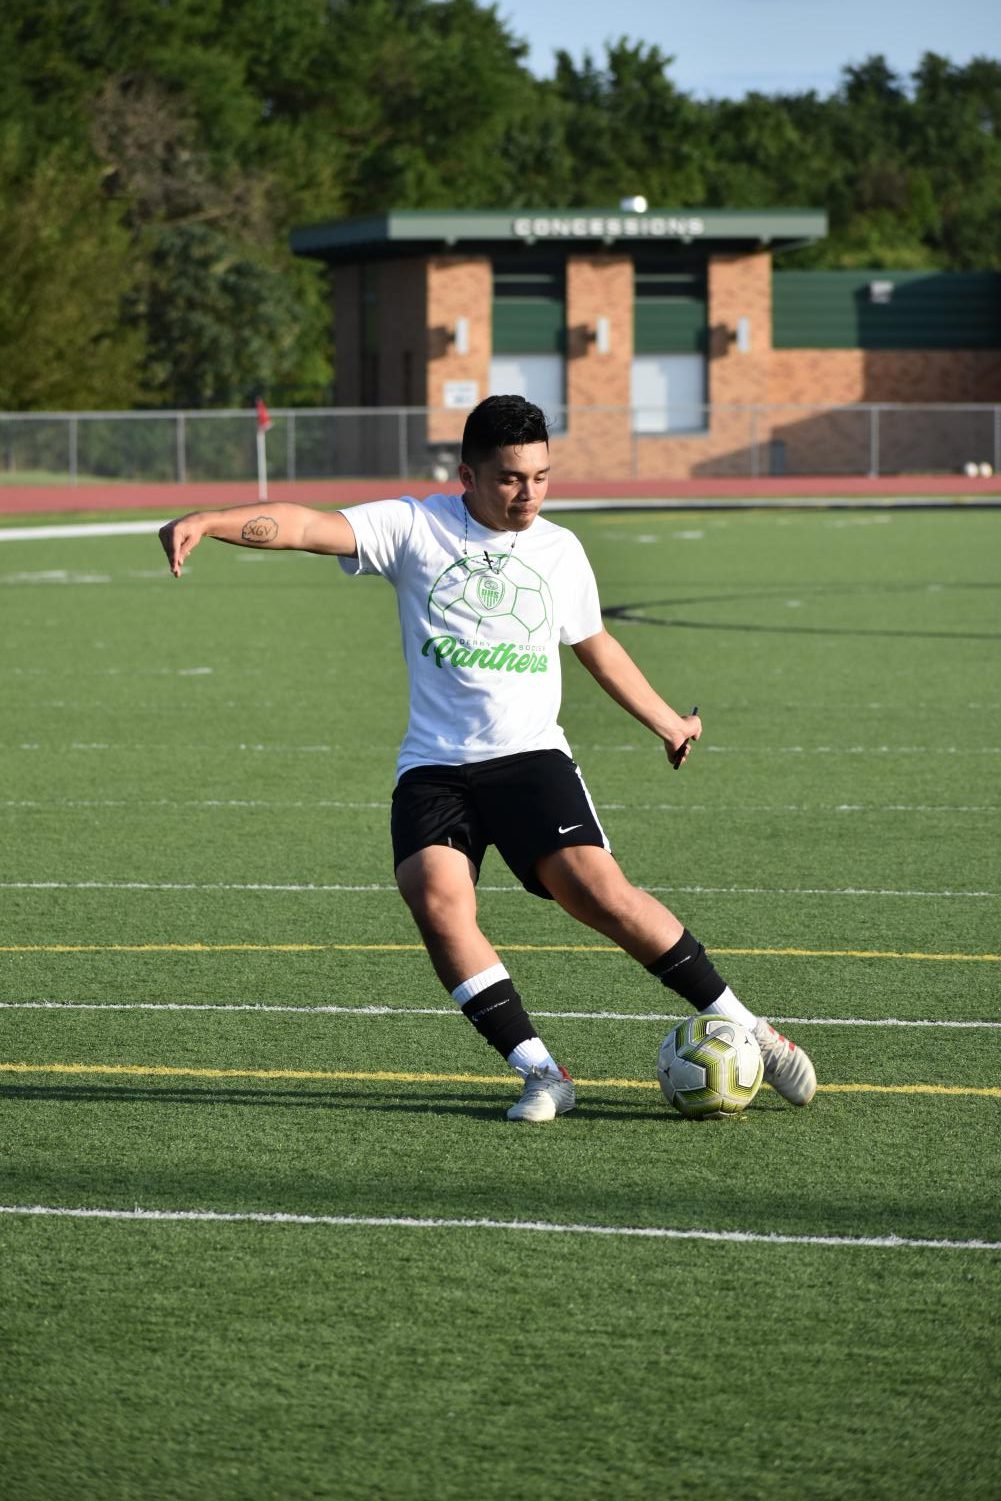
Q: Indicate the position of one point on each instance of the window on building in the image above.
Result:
(670, 342)
(538, 377)
(668, 393)
(529, 331)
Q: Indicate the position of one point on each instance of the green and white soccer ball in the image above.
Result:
(709, 1067)
(473, 592)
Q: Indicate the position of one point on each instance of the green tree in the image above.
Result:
(154, 157)
(956, 139)
(156, 102)
(421, 96)
(222, 325)
(66, 272)
(764, 151)
(630, 130)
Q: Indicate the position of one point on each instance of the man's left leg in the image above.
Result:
(589, 884)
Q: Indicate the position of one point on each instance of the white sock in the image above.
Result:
(735, 1011)
(486, 977)
(532, 1054)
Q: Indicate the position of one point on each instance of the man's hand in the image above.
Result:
(178, 538)
(678, 750)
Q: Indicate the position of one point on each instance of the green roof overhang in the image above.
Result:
(435, 232)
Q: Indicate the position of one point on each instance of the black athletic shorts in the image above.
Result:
(527, 805)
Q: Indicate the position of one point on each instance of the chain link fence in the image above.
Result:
(592, 442)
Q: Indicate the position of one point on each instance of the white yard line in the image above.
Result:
(204, 802)
(312, 804)
(279, 749)
(531, 1227)
(452, 1012)
(81, 529)
(306, 888)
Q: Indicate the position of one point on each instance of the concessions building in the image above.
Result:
(658, 343)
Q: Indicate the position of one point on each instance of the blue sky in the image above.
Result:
(726, 48)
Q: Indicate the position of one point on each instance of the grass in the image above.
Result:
(207, 764)
(49, 477)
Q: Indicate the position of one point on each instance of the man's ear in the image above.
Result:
(467, 478)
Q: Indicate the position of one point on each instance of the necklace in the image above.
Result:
(494, 567)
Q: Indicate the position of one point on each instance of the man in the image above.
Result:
(487, 591)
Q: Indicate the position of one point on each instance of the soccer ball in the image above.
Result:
(474, 593)
(709, 1067)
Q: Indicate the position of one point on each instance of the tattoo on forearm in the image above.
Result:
(261, 530)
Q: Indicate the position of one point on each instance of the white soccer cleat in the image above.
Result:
(545, 1096)
(787, 1067)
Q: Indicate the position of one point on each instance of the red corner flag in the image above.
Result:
(263, 417)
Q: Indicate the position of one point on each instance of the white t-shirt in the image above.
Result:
(482, 615)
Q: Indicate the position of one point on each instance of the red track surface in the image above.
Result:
(172, 500)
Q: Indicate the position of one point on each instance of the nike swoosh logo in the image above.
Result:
(569, 828)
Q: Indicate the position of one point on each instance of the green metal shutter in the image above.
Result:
(529, 304)
(669, 304)
(528, 326)
(669, 326)
(925, 310)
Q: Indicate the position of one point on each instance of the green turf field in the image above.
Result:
(215, 1015)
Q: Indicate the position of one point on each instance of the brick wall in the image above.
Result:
(739, 286)
(598, 286)
(811, 376)
(457, 287)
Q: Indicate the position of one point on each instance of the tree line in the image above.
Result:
(154, 157)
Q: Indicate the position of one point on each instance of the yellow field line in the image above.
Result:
(863, 954)
(379, 1076)
(508, 948)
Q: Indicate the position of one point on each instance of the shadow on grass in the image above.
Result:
(309, 1099)
(636, 615)
(589, 1107)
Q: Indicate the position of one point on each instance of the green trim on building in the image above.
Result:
(412, 232)
(886, 310)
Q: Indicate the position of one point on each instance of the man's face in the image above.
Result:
(505, 491)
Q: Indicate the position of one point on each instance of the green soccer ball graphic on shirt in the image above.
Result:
(474, 592)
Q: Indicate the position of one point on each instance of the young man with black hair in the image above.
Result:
(488, 590)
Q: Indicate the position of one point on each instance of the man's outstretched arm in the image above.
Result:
(278, 524)
(610, 664)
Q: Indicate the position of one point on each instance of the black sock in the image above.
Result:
(689, 972)
(499, 1017)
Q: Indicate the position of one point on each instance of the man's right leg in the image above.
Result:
(438, 885)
